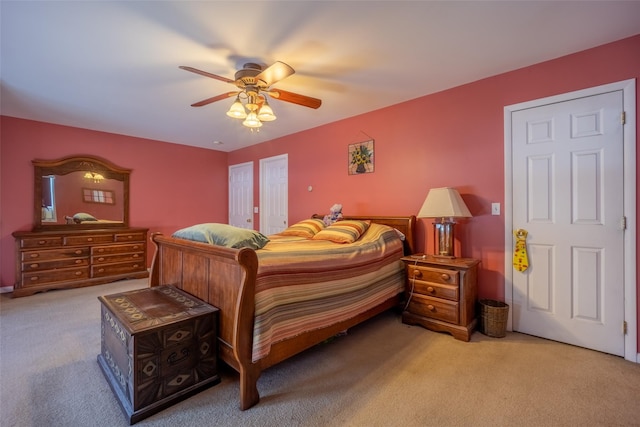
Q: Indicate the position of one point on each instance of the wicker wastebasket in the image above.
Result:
(493, 318)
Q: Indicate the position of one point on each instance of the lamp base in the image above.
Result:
(444, 238)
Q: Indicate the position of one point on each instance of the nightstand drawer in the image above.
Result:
(450, 292)
(434, 308)
(433, 275)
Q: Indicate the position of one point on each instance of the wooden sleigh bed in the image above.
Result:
(228, 279)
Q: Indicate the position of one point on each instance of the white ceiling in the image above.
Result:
(113, 65)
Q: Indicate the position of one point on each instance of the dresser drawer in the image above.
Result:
(41, 242)
(88, 239)
(113, 269)
(433, 275)
(117, 249)
(434, 308)
(110, 259)
(30, 256)
(130, 237)
(53, 264)
(450, 292)
(48, 276)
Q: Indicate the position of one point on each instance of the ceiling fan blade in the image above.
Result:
(204, 73)
(305, 101)
(274, 73)
(214, 99)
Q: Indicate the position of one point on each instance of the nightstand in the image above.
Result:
(442, 294)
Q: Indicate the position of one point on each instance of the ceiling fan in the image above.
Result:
(255, 83)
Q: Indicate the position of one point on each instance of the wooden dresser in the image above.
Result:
(74, 258)
(442, 294)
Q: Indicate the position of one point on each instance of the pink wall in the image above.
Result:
(451, 138)
(172, 186)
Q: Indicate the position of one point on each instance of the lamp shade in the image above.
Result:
(444, 202)
(252, 120)
(237, 110)
(266, 113)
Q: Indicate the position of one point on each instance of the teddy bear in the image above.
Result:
(335, 214)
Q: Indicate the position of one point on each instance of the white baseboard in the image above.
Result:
(6, 289)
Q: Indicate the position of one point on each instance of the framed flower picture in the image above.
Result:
(361, 157)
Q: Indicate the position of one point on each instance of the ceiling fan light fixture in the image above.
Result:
(266, 113)
(237, 110)
(252, 120)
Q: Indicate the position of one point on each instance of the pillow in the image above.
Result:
(305, 228)
(81, 216)
(345, 231)
(223, 235)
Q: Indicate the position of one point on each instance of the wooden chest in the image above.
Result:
(158, 347)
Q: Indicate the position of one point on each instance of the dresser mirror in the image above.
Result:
(80, 193)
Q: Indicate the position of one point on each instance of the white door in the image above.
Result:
(274, 194)
(568, 175)
(241, 195)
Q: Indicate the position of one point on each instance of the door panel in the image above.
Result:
(274, 194)
(567, 160)
(241, 195)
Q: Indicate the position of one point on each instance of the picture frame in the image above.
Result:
(93, 195)
(361, 157)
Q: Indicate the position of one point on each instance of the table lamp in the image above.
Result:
(444, 204)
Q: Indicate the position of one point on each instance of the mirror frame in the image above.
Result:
(71, 164)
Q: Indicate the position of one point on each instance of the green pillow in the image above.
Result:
(223, 235)
(81, 216)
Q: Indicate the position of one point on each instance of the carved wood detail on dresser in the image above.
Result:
(75, 258)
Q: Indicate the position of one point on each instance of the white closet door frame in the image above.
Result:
(630, 283)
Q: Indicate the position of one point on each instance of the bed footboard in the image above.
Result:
(225, 278)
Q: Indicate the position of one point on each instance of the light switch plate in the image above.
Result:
(495, 208)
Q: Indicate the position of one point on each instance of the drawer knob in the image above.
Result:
(417, 273)
(78, 273)
(101, 250)
(42, 242)
(136, 255)
(101, 259)
(445, 277)
(431, 290)
(129, 237)
(78, 252)
(34, 255)
(89, 239)
(34, 278)
(431, 308)
(101, 270)
(34, 265)
(78, 261)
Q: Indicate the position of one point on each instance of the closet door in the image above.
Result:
(241, 195)
(274, 193)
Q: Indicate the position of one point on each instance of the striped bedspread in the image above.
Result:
(304, 284)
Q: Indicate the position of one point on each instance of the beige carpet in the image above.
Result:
(382, 373)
